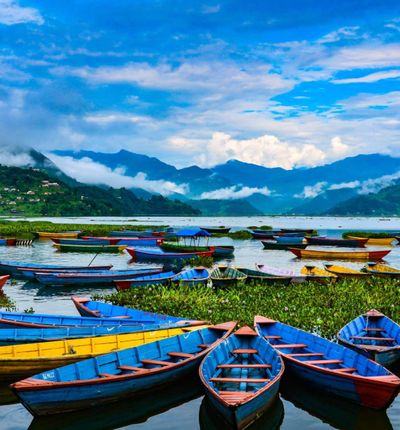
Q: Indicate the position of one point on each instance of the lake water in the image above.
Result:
(182, 406)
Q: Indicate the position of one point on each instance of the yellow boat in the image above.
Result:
(340, 255)
(21, 361)
(379, 241)
(60, 235)
(314, 273)
(344, 272)
(382, 270)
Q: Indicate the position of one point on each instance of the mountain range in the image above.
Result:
(239, 188)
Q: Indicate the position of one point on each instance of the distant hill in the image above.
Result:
(33, 192)
(386, 202)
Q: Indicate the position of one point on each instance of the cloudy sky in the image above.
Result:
(288, 83)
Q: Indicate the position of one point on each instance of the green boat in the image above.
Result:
(181, 247)
(90, 248)
(223, 276)
(269, 244)
(262, 278)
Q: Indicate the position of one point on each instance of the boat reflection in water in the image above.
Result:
(7, 397)
(211, 419)
(131, 411)
(334, 411)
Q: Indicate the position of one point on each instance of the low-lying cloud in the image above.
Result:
(87, 171)
(18, 159)
(234, 192)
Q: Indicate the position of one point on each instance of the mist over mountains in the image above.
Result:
(232, 188)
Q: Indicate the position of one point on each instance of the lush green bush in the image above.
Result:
(239, 235)
(311, 306)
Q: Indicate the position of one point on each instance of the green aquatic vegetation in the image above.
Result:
(372, 235)
(323, 309)
(238, 235)
(6, 303)
(261, 227)
(200, 262)
(25, 228)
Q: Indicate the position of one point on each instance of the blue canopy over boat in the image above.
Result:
(192, 232)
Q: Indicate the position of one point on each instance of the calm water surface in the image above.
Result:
(183, 406)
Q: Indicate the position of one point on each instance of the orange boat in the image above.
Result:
(3, 280)
(340, 255)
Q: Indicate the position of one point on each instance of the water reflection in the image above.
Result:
(336, 412)
(130, 411)
(7, 397)
(210, 419)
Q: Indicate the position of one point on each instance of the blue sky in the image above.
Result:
(289, 83)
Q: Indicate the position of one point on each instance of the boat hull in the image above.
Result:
(282, 246)
(61, 235)
(338, 255)
(3, 280)
(147, 255)
(375, 241)
(90, 248)
(343, 243)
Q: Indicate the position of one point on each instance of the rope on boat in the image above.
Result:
(24, 242)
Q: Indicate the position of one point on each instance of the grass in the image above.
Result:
(323, 309)
(367, 234)
(26, 228)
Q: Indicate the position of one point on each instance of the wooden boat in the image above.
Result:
(113, 377)
(275, 271)
(63, 234)
(122, 414)
(241, 377)
(374, 335)
(92, 242)
(340, 255)
(378, 241)
(261, 235)
(344, 243)
(91, 308)
(289, 240)
(192, 277)
(223, 276)
(223, 251)
(85, 279)
(20, 361)
(317, 274)
(17, 336)
(3, 280)
(182, 247)
(382, 270)
(272, 234)
(212, 230)
(133, 233)
(162, 278)
(90, 248)
(8, 242)
(17, 269)
(275, 246)
(344, 272)
(261, 278)
(297, 230)
(20, 319)
(158, 254)
(329, 366)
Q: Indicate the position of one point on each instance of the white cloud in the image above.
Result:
(339, 34)
(339, 148)
(343, 185)
(87, 171)
(234, 192)
(110, 118)
(207, 9)
(366, 100)
(376, 184)
(264, 150)
(12, 13)
(8, 157)
(372, 77)
(311, 191)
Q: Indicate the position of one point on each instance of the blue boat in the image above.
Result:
(91, 308)
(143, 241)
(14, 336)
(241, 376)
(131, 233)
(374, 335)
(84, 279)
(82, 241)
(112, 377)
(142, 254)
(163, 278)
(330, 367)
(223, 251)
(289, 240)
(16, 269)
(192, 277)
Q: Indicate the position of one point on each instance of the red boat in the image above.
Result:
(3, 280)
(159, 254)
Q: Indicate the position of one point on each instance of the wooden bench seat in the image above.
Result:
(156, 362)
(244, 366)
(323, 361)
(377, 329)
(234, 395)
(290, 345)
(272, 337)
(203, 346)
(382, 339)
(244, 351)
(345, 370)
(106, 375)
(240, 380)
(180, 354)
(131, 368)
(306, 354)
